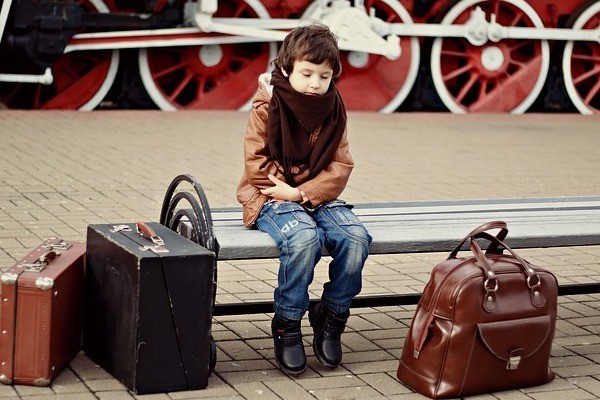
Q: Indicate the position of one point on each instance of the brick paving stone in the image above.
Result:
(127, 396)
(574, 394)
(372, 356)
(251, 374)
(289, 389)
(240, 365)
(256, 390)
(68, 382)
(369, 367)
(7, 391)
(25, 390)
(589, 384)
(384, 383)
(69, 396)
(217, 388)
(355, 392)
(239, 350)
(330, 382)
(101, 385)
(356, 342)
(577, 370)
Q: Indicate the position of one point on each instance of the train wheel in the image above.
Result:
(81, 79)
(581, 63)
(372, 82)
(208, 77)
(504, 76)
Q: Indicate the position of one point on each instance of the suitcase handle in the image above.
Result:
(49, 256)
(145, 230)
(41, 263)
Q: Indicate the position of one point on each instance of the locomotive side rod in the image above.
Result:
(477, 30)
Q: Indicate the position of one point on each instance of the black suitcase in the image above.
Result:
(148, 307)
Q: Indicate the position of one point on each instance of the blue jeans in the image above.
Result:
(300, 235)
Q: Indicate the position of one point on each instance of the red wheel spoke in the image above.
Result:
(586, 75)
(37, 97)
(455, 53)
(518, 17)
(239, 10)
(497, 8)
(519, 64)
(457, 72)
(13, 92)
(586, 57)
(467, 87)
(593, 92)
(177, 91)
(200, 89)
(170, 69)
(483, 88)
(519, 44)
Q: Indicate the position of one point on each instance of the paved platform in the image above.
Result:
(60, 171)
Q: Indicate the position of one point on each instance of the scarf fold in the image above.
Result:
(293, 116)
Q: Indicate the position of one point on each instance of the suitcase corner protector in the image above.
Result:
(9, 278)
(5, 379)
(41, 382)
(44, 283)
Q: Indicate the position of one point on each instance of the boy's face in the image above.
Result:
(309, 78)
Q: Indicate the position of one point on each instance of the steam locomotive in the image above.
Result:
(462, 56)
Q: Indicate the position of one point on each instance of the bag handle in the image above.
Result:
(482, 229)
(533, 280)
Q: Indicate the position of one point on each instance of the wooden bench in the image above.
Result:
(398, 227)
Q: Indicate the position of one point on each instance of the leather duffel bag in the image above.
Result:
(484, 323)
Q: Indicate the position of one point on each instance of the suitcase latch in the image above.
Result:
(120, 228)
(58, 246)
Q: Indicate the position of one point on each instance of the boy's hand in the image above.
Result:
(281, 190)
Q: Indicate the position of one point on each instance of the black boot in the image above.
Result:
(328, 327)
(289, 349)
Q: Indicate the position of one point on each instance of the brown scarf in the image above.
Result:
(293, 116)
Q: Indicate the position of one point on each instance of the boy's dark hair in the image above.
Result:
(314, 43)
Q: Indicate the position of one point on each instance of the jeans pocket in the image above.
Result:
(342, 213)
(289, 217)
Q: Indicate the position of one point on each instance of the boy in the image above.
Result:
(296, 165)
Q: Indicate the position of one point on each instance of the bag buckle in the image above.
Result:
(514, 359)
(513, 363)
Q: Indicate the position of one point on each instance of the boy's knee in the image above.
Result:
(358, 236)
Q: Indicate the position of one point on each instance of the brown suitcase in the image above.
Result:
(41, 313)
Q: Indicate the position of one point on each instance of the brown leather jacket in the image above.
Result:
(325, 187)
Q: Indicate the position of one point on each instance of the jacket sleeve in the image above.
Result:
(329, 184)
(258, 163)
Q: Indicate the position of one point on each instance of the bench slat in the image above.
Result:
(438, 226)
